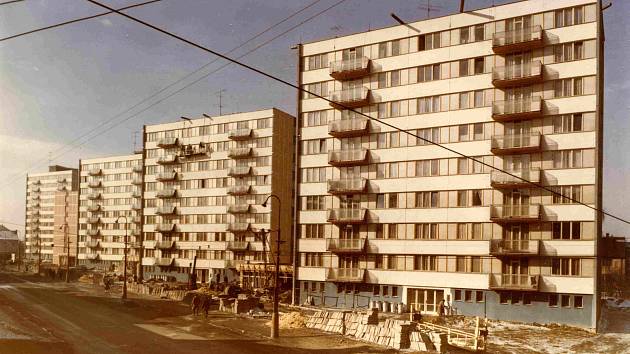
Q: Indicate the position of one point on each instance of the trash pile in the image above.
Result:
(291, 320)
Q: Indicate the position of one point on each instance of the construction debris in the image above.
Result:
(291, 320)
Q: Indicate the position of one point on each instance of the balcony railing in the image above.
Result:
(166, 193)
(165, 227)
(499, 179)
(337, 245)
(347, 186)
(164, 245)
(240, 171)
(136, 219)
(350, 98)
(514, 247)
(61, 188)
(517, 40)
(164, 262)
(515, 213)
(93, 244)
(239, 208)
(38, 182)
(93, 220)
(240, 152)
(524, 282)
(136, 181)
(138, 169)
(35, 197)
(95, 172)
(350, 157)
(94, 232)
(94, 184)
(195, 150)
(166, 210)
(94, 208)
(517, 74)
(94, 195)
(238, 245)
(92, 256)
(524, 108)
(240, 134)
(167, 142)
(167, 159)
(347, 215)
(239, 227)
(346, 275)
(136, 206)
(36, 190)
(349, 69)
(136, 194)
(515, 143)
(239, 190)
(166, 176)
(348, 128)
(62, 180)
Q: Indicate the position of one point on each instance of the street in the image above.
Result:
(38, 316)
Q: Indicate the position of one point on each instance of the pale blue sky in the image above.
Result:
(57, 85)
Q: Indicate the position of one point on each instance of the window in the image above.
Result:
(504, 298)
(382, 50)
(458, 295)
(468, 295)
(395, 48)
(394, 291)
(393, 200)
(376, 290)
(565, 300)
(463, 100)
(385, 291)
(479, 65)
(382, 80)
(565, 266)
(462, 198)
(463, 133)
(462, 166)
(463, 67)
(479, 296)
(460, 263)
(578, 302)
(464, 35)
(479, 33)
(476, 197)
(395, 78)
(553, 300)
(568, 123)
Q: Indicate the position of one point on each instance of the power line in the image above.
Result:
(275, 78)
(72, 21)
(18, 175)
(10, 2)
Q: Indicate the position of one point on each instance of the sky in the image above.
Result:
(60, 87)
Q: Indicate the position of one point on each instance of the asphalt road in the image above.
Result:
(44, 317)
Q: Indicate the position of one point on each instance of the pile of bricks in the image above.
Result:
(327, 321)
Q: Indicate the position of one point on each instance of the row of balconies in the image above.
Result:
(97, 220)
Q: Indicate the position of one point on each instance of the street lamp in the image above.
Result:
(124, 294)
(275, 320)
(67, 243)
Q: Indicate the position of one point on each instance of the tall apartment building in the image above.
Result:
(110, 207)
(386, 217)
(66, 224)
(40, 209)
(205, 182)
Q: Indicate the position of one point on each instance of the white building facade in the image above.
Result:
(110, 207)
(40, 209)
(205, 182)
(387, 218)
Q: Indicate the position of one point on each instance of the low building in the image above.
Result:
(9, 245)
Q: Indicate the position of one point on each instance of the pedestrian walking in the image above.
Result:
(195, 304)
(441, 308)
(205, 306)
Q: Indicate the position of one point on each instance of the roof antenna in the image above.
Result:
(220, 94)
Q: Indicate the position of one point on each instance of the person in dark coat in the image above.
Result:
(205, 305)
(441, 308)
(195, 304)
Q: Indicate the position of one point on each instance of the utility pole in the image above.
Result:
(124, 294)
(275, 316)
(66, 237)
(39, 253)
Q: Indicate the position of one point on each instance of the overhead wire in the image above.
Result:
(275, 78)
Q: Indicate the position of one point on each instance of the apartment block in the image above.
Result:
(205, 184)
(110, 210)
(66, 224)
(40, 209)
(387, 218)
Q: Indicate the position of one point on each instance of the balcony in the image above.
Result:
(94, 232)
(61, 188)
(94, 196)
(239, 190)
(337, 245)
(166, 210)
(167, 159)
(240, 134)
(346, 275)
(35, 183)
(240, 171)
(347, 215)
(517, 75)
(93, 244)
(166, 176)
(166, 193)
(164, 245)
(515, 213)
(35, 205)
(514, 247)
(523, 282)
(347, 186)
(350, 69)
(240, 153)
(237, 227)
(93, 220)
(62, 180)
(136, 194)
(238, 246)
(239, 208)
(350, 98)
(95, 172)
(92, 256)
(168, 142)
(137, 181)
(35, 213)
(136, 219)
(35, 197)
(195, 150)
(352, 157)
(500, 179)
(94, 208)
(164, 262)
(349, 128)
(136, 206)
(95, 184)
(517, 40)
(515, 144)
(165, 227)
(138, 169)
(524, 108)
